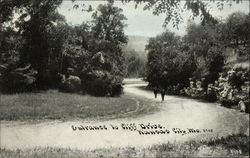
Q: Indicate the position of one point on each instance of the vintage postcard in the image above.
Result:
(127, 78)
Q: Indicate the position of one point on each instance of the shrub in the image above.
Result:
(237, 77)
(71, 84)
(102, 83)
(194, 90)
(14, 79)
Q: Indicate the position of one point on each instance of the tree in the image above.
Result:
(173, 9)
(108, 32)
(48, 43)
(36, 48)
(75, 53)
(109, 24)
(10, 46)
(235, 32)
(205, 47)
(173, 60)
(165, 60)
(105, 71)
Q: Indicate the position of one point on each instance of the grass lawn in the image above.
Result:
(64, 106)
(231, 146)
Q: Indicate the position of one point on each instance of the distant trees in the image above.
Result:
(135, 63)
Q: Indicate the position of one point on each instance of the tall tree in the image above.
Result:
(105, 70)
(108, 32)
(205, 48)
(165, 61)
(75, 53)
(36, 49)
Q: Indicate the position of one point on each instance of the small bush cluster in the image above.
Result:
(234, 87)
(71, 84)
(102, 83)
(194, 90)
(230, 89)
(15, 79)
(96, 78)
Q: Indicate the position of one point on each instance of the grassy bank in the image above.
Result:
(231, 146)
(64, 106)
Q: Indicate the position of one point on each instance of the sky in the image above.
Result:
(144, 23)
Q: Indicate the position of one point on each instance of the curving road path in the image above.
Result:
(175, 112)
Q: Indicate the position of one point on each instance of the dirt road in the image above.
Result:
(175, 112)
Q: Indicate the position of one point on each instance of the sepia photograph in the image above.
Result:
(124, 78)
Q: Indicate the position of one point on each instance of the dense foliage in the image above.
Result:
(41, 39)
(193, 64)
(173, 9)
(34, 34)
